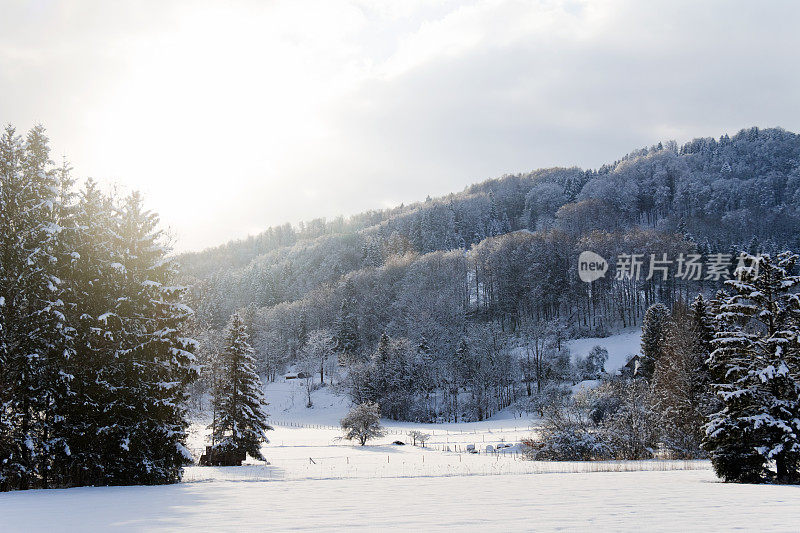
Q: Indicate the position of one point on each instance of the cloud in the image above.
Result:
(232, 117)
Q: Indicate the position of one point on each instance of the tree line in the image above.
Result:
(741, 191)
(717, 379)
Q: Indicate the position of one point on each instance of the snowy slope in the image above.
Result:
(621, 347)
(301, 433)
(287, 404)
(289, 414)
(287, 407)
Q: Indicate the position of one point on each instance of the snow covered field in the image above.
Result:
(307, 444)
(653, 501)
(316, 481)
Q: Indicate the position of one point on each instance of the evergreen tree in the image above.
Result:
(393, 388)
(494, 223)
(459, 368)
(91, 290)
(241, 421)
(153, 363)
(654, 328)
(33, 343)
(14, 463)
(701, 325)
(94, 370)
(756, 369)
(426, 376)
(681, 395)
(347, 339)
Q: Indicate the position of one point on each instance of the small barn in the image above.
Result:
(214, 457)
(631, 368)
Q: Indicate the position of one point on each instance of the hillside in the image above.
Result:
(725, 192)
(494, 267)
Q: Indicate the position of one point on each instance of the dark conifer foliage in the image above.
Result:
(93, 367)
(756, 372)
(681, 392)
(240, 422)
(654, 338)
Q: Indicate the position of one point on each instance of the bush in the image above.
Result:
(610, 422)
(569, 434)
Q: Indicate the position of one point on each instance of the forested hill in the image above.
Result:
(720, 193)
(461, 283)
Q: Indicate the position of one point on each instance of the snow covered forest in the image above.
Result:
(456, 307)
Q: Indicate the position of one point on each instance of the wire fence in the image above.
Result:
(421, 466)
(404, 431)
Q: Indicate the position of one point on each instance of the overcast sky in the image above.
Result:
(234, 116)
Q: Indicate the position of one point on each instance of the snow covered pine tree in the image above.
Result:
(90, 291)
(94, 372)
(756, 369)
(33, 338)
(241, 422)
(153, 363)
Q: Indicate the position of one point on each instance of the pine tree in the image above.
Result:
(347, 339)
(756, 368)
(91, 290)
(33, 343)
(13, 467)
(391, 377)
(241, 421)
(153, 362)
(494, 224)
(459, 369)
(426, 376)
(701, 325)
(654, 327)
(681, 381)
(94, 369)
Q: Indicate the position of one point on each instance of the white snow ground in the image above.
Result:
(650, 501)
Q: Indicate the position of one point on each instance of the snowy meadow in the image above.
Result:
(315, 482)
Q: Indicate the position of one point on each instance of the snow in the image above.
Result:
(584, 385)
(621, 347)
(306, 444)
(313, 480)
(656, 501)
